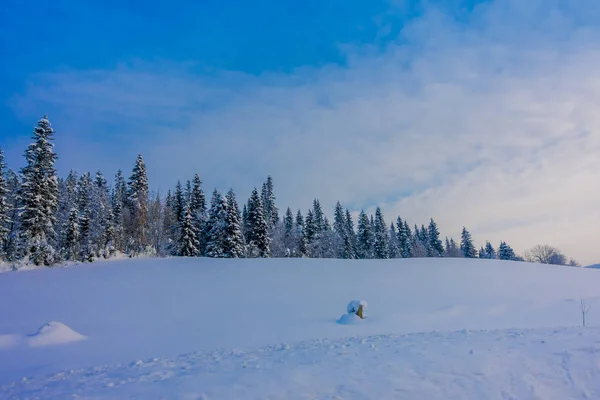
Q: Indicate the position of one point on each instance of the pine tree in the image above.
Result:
(85, 240)
(364, 237)
(289, 234)
(319, 219)
(350, 240)
(505, 252)
(393, 243)
(217, 221)
(4, 205)
(180, 204)
(489, 251)
(72, 236)
(341, 230)
(466, 245)
(404, 239)
(138, 205)
(234, 239)
(268, 200)
(435, 244)
(310, 229)
(39, 195)
(258, 230)
(381, 246)
(118, 200)
(188, 241)
(13, 246)
(301, 235)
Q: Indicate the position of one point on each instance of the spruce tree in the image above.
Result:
(72, 236)
(268, 200)
(505, 252)
(350, 240)
(381, 246)
(393, 243)
(188, 241)
(234, 239)
(364, 237)
(13, 247)
(466, 244)
(258, 230)
(118, 200)
(137, 197)
(435, 244)
(341, 231)
(217, 222)
(301, 235)
(404, 239)
(4, 205)
(39, 196)
(489, 251)
(180, 204)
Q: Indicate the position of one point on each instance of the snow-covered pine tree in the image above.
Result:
(67, 200)
(4, 205)
(481, 252)
(435, 244)
(466, 244)
(341, 230)
(101, 214)
(381, 245)
(118, 200)
(180, 204)
(364, 237)
(489, 251)
(455, 250)
(289, 234)
(39, 196)
(72, 236)
(418, 245)
(505, 252)
(310, 231)
(13, 247)
(268, 200)
(350, 240)
(258, 230)
(301, 235)
(245, 222)
(404, 238)
(157, 237)
(188, 241)
(319, 219)
(393, 249)
(234, 239)
(137, 198)
(217, 221)
(170, 245)
(86, 249)
(199, 212)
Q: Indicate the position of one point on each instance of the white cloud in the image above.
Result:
(490, 123)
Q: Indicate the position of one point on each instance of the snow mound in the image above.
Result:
(354, 304)
(54, 333)
(350, 319)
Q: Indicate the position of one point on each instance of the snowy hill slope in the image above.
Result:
(161, 308)
(594, 266)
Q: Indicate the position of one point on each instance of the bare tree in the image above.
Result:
(584, 310)
(545, 254)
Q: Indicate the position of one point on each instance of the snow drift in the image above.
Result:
(54, 333)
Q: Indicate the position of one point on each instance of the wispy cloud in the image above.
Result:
(488, 120)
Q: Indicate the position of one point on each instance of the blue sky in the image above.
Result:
(480, 113)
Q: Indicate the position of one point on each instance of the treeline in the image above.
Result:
(46, 220)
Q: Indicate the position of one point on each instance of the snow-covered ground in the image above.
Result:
(198, 328)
